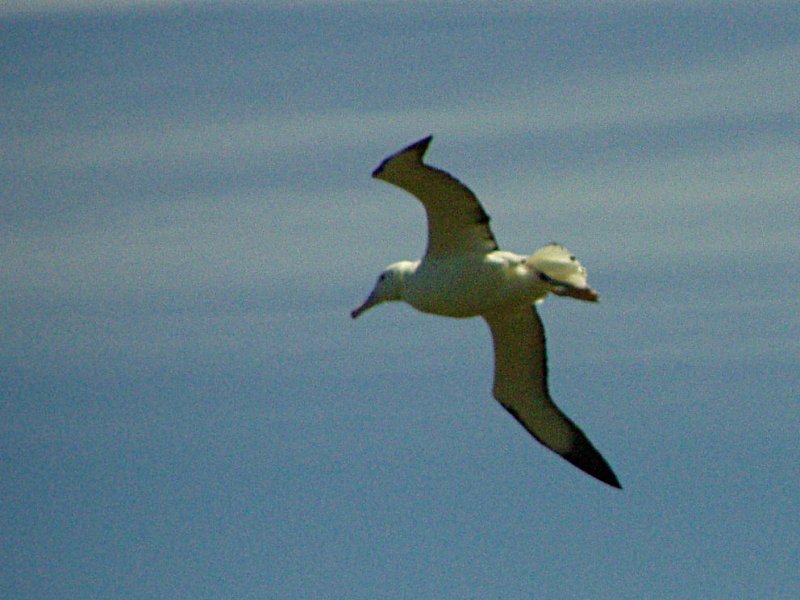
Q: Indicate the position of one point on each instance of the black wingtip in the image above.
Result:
(590, 461)
(582, 454)
(418, 148)
(423, 143)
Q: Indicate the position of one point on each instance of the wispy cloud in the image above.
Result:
(761, 83)
(31, 7)
(34, 7)
(192, 242)
(16, 8)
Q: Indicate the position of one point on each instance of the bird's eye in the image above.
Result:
(382, 277)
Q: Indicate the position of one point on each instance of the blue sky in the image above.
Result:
(187, 410)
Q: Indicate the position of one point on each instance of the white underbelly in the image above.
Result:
(467, 289)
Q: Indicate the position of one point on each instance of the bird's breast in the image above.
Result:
(472, 286)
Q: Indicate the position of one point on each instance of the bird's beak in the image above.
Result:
(368, 303)
(586, 294)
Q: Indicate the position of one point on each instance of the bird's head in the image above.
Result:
(388, 288)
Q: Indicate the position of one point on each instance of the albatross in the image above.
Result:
(465, 274)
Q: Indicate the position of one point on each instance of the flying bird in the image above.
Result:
(465, 274)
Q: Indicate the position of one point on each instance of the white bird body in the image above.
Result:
(472, 285)
(464, 274)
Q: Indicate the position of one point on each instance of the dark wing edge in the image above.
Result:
(406, 170)
(581, 452)
(416, 150)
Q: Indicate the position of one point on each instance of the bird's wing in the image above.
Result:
(520, 385)
(457, 223)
